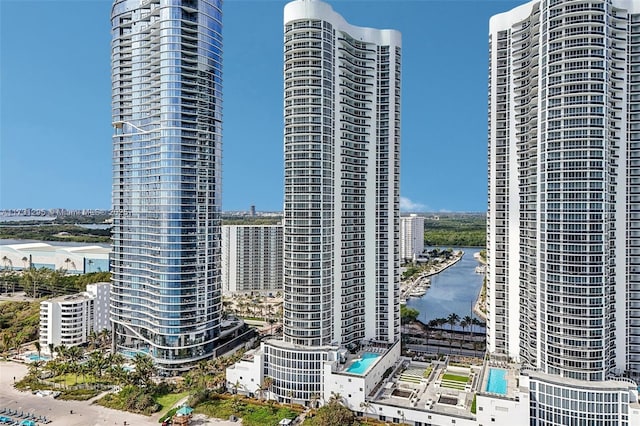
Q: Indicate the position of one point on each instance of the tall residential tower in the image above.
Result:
(411, 237)
(563, 242)
(167, 112)
(341, 201)
(251, 259)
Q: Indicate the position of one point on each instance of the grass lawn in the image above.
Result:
(169, 400)
(251, 412)
(455, 378)
(71, 379)
(427, 372)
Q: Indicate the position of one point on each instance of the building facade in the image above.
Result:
(341, 202)
(69, 320)
(251, 259)
(563, 239)
(75, 259)
(167, 112)
(411, 237)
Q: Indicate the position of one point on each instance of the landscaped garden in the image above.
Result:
(253, 412)
(454, 381)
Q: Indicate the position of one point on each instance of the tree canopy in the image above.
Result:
(333, 414)
(408, 315)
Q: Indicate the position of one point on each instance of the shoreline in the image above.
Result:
(477, 307)
(74, 413)
(417, 280)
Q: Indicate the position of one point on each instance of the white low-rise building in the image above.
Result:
(75, 259)
(377, 382)
(69, 320)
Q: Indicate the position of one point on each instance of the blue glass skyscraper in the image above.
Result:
(167, 115)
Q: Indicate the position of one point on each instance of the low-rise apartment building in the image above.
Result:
(69, 320)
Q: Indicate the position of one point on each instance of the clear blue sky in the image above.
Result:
(55, 112)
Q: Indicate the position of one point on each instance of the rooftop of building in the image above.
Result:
(446, 385)
(67, 247)
(71, 298)
(358, 360)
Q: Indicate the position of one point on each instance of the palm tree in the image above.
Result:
(452, 320)
(365, 405)
(97, 363)
(25, 261)
(145, 369)
(61, 351)
(38, 348)
(463, 324)
(314, 400)
(469, 320)
(66, 262)
(51, 349)
(93, 339)
(235, 386)
(266, 386)
(6, 342)
(6, 262)
(336, 397)
(105, 337)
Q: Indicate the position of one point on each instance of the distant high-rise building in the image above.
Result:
(251, 259)
(252, 211)
(411, 236)
(167, 112)
(341, 206)
(563, 246)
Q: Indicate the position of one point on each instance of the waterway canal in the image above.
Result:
(452, 291)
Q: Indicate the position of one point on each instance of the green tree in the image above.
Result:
(452, 320)
(408, 315)
(333, 414)
(144, 369)
(38, 349)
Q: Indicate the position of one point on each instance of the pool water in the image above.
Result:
(361, 365)
(497, 383)
(35, 357)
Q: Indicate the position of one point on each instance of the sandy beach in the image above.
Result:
(84, 413)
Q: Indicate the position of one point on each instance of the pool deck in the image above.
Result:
(427, 394)
(512, 372)
(352, 358)
(430, 394)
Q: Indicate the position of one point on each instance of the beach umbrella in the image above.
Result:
(184, 411)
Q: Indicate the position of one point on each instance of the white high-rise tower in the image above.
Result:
(411, 237)
(563, 246)
(341, 202)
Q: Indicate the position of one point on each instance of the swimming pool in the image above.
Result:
(35, 357)
(497, 383)
(361, 365)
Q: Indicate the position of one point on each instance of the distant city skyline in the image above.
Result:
(55, 118)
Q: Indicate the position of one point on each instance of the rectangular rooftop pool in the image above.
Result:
(361, 365)
(497, 383)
